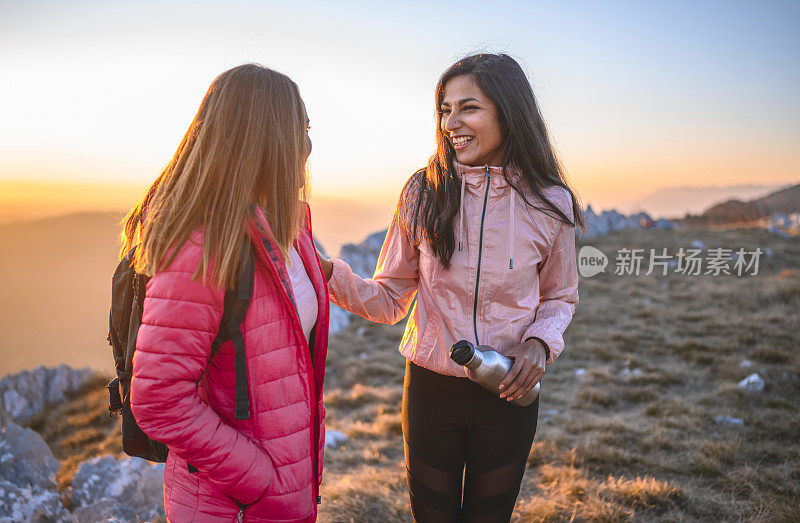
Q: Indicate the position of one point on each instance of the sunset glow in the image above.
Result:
(636, 97)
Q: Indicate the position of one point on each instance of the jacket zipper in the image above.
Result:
(480, 255)
(311, 376)
(314, 403)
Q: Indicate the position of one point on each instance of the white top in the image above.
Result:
(304, 294)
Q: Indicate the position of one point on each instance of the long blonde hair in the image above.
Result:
(246, 144)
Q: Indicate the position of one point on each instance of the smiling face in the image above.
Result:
(470, 123)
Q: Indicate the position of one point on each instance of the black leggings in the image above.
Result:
(450, 422)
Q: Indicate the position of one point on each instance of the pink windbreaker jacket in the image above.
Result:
(514, 277)
(271, 461)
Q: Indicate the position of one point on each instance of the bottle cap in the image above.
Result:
(462, 352)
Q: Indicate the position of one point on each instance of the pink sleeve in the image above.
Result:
(558, 287)
(387, 296)
(180, 320)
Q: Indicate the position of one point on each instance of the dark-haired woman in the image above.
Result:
(484, 236)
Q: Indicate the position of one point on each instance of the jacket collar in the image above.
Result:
(475, 175)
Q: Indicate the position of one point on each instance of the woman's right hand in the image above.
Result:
(327, 266)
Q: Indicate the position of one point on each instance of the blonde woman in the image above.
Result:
(238, 175)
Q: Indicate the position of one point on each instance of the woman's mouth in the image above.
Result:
(461, 142)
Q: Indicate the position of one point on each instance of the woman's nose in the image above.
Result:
(451, 122)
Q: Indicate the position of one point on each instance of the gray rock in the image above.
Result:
(752, 383)
(30, 503)
(319, 247)
(334, 438)
(339, 319)
(25, 395)
(27, 478)
(778, 231)
(104, 509)
(609, 221)
(727, 420)
(362, 259)
(784, 223)
(628, 373)
(134, 484)
(25, 458)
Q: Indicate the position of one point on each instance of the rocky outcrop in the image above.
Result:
(784, 224)
(25, 395)
(609, 221)
(103, 488)
(128, 489)
(27, 478)
(362, 258)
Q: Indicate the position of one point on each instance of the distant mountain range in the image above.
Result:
(676, 202)
(786, 200)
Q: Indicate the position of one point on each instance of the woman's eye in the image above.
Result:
(443, 111)
(470, 107)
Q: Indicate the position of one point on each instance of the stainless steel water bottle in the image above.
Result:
(487, 368)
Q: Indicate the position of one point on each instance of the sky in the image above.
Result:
(637, 95)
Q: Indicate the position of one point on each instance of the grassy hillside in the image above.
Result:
(614, 443)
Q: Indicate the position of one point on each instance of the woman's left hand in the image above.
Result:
(529, 362)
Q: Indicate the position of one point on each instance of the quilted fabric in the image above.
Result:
(272, 461)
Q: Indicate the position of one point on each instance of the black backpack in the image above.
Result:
(127, 301)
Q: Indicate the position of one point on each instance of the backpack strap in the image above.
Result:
(244, 293)
(237, 302)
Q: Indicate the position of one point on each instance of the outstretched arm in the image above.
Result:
(387, 296)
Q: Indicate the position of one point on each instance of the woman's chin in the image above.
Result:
(465, 158)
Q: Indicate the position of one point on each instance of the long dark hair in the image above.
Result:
(432, 194)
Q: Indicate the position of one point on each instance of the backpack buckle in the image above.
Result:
(242, 408)
(114, 398)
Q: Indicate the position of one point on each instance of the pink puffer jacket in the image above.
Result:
(514, 277)
(272, 461)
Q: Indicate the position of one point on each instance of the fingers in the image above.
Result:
(537, 378)
(511, 375)
(522, 377)
(525, 381)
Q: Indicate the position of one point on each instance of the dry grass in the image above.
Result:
(612, 444)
